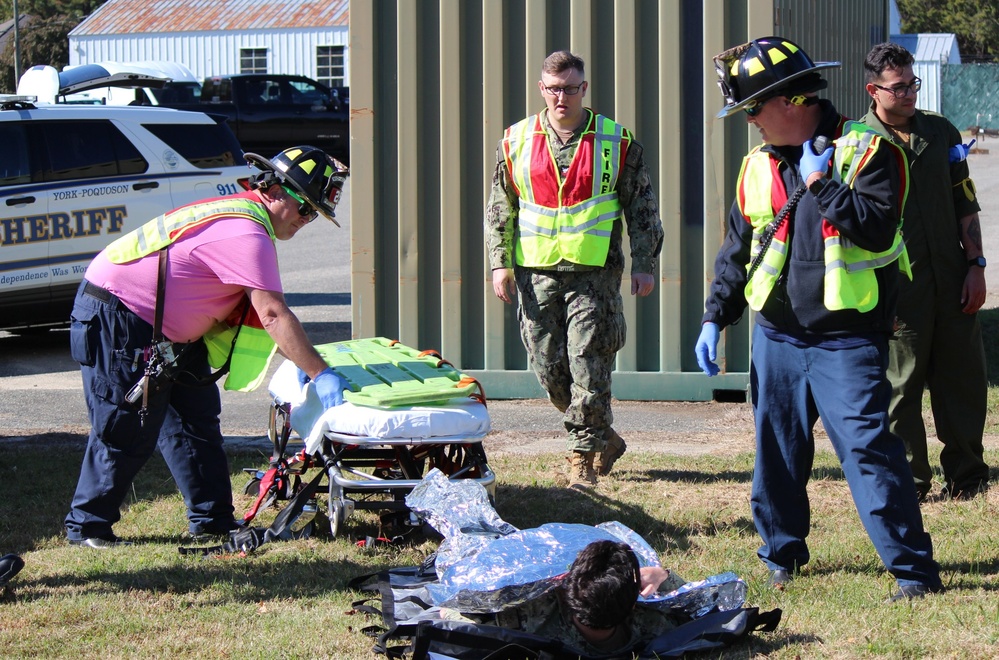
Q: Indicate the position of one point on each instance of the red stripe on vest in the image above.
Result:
(252, 319)
(578, 183)
(544, 177)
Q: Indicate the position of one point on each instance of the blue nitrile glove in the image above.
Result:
(811, 162)
(706, 348)
(329, 387)
(959, 152)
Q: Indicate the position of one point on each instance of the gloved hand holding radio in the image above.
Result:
(960, 152)
(812, 162)
(706, 348)
(329, 387)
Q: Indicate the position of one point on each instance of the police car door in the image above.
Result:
(24, 274)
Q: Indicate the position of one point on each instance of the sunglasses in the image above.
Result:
(305, 209)
(756, 107)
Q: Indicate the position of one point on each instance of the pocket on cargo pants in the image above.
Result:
(84, 334)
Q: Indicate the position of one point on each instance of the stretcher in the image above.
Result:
(405, 413)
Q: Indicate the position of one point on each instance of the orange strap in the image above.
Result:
(467, 380)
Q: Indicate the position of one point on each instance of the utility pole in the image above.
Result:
(17, 46)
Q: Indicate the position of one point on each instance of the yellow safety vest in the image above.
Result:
(566, 218)
(849, 281)
(254, 348)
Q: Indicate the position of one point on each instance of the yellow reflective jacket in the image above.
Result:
(849, 281)
(566, 218)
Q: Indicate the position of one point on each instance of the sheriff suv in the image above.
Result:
(73, 178)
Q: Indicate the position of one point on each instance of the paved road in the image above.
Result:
(41, 392)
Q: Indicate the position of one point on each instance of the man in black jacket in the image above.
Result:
(815, 250)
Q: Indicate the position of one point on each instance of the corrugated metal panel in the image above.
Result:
(930, 47)
(289, 51)
(842, 31)
(436, 81)
(930, 50)
(146, 16)
(931, 93)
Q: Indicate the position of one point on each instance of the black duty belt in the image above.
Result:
(95, 291)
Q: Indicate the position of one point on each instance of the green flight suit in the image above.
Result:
(937, 345)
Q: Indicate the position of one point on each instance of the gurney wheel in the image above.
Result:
(337, 516)
(253, 488)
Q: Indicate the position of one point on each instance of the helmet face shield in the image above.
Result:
(318, 177)
(764, 68)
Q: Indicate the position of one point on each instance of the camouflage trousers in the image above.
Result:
(572, 326)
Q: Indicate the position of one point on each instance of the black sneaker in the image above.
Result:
(216, 533)
(913, 591)
(100, 543)
(779, 577)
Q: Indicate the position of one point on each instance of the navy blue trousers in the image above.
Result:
(182, 421)
(791, 388)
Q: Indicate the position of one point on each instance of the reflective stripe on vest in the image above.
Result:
(850, 281)
(758, 174)
(568, 218)
(163, 230)
(254, 348)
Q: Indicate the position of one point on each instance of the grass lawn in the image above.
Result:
(290, 599)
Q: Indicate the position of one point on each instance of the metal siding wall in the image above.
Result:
(842, 31)
(216, 53)
(420, 183)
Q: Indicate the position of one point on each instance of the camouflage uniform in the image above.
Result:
(547, 616)
(571, 309)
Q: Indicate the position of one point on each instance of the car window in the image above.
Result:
(205, 146)
(174, 93)
(86, 149)
(304, 92)
(14, 166)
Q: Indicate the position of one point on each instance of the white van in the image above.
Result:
(75, 177)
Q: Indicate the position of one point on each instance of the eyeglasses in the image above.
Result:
(305, 209)
(571, 90)
(899, 91)
(756, 107)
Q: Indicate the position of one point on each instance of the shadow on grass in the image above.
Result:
(533, 506)
(40, 472)
(248, 580)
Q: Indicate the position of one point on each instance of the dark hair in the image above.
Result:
(602, 585)
(885, 56)
(562, 60)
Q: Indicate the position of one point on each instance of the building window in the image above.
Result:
(329, 65)
(253, 60)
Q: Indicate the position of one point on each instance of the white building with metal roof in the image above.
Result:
(930, 50)
(221, 37)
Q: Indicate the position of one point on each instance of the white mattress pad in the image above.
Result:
(461, 418)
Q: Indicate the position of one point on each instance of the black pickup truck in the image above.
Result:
(271, 112)
(268, 112)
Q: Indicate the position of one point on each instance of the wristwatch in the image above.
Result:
(977, 261)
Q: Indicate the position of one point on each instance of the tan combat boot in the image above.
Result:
(613, 450)
(581, 474)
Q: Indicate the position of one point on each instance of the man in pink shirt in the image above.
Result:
(220, 265)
